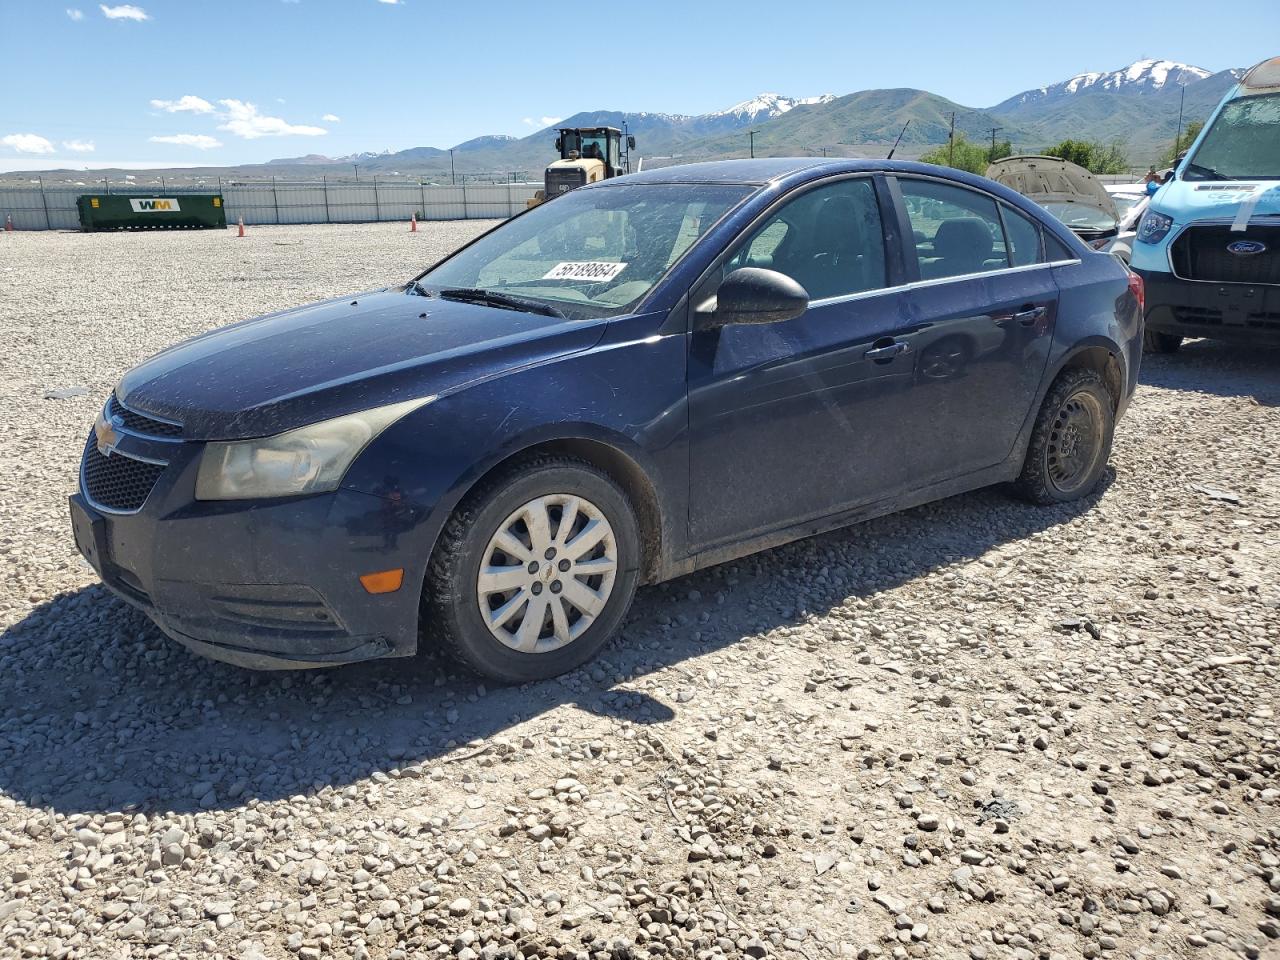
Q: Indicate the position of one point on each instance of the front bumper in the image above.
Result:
(261, 584)
(1244, 313)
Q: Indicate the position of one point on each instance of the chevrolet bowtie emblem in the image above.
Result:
(105, 436)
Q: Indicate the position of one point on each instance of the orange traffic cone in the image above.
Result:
(413, 224)
(8, 223)
(240, 233)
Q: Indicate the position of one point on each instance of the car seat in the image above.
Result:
(829, 262)
(960, 246)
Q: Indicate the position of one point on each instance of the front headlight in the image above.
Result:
(1154, 227)
(311, 459)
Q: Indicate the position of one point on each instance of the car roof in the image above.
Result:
(765, 172)
(755, 172)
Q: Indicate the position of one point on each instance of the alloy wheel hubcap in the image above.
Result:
(547, 573)
(1075, 442)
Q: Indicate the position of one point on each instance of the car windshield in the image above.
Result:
(1080, 216)
(1125, 202)
(1242, 144)
(589, 253)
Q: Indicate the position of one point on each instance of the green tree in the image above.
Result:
(963, 154)
(1094, 156)
(1183, 142)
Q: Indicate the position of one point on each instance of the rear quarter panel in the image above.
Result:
(1097, 308)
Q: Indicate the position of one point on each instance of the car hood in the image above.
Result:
(1052, 180)
(288, 369)
(1216, 199)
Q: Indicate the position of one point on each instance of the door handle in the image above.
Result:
(887, 351)
(1029, 316)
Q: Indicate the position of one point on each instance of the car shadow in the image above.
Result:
(100, 712)
(1217, 368)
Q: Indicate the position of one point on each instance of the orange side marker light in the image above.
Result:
(384, 581)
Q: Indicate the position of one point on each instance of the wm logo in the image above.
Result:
(155, 205)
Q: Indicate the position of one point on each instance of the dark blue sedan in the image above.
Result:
(641, 378)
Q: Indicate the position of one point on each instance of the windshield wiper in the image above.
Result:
(1206, 173)
(416, 287)
(505, 301)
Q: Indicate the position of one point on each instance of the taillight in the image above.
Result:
(1139, 291)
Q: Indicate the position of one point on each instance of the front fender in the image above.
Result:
(629, 396)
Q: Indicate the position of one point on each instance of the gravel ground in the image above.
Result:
(976, 729)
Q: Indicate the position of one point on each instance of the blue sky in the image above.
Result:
(104, 84)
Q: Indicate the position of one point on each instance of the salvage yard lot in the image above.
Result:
(978, 728)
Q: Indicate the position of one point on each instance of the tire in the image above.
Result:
(492, 631)
(1071, 440)
(1153, 341)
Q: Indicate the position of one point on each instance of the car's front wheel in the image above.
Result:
(1071, 440)
(534, 573)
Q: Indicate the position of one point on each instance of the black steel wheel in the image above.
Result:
(1071, 440)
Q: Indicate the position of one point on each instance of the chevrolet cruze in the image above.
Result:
(638, 379)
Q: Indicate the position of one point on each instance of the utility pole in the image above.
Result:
(994, 131)
(357, 166)
(752, 135)
(951, 140)
(1177, 141)
(453, 176)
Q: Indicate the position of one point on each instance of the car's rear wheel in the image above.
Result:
(535, 572)
(1071, 440)
(1153, 341)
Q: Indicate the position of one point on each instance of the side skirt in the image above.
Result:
(1001, 473)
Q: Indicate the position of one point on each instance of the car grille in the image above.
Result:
(562, 181)
(117, 482)
(140, 423)
(1213, 317)
(1200, 253)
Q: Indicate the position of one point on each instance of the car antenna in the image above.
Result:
(899, 140)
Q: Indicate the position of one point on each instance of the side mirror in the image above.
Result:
(753, 295)
(631, 143)
(558, 146)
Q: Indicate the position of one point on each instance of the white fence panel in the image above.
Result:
(33, 208)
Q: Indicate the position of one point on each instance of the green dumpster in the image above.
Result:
(122, 211)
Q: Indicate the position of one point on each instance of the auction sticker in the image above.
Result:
(596, 270)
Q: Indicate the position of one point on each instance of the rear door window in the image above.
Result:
(1023, 235)
(957, 231)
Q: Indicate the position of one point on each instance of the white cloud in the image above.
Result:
(27, 143)
(244, 120)
(392, 3)
(540, 121)
(186, 104)
(79, 146)
(75, 14)
(198, 140)
(331, 118)
(125, 11)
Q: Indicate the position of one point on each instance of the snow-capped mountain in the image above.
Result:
(363, 156)
(1139, 77)
(765, 106)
